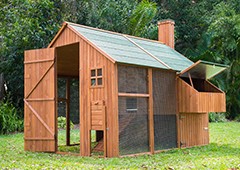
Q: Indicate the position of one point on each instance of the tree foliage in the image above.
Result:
(142, 15)
(224, 31)
(24, 25)
(204, 29)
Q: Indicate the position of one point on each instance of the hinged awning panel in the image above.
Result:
(203, 70)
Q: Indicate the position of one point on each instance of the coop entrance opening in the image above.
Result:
(97, 142)
(68, 136)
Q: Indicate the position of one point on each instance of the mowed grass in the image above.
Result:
(222, 153)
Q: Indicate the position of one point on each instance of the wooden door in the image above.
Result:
(193, 129)
(39, 100)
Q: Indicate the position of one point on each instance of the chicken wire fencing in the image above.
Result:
(133, 112)
(164, 109)
(133, 125)
(132, 80)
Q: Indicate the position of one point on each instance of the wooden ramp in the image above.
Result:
(99, 146)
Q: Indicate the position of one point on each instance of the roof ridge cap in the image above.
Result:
(112, 32)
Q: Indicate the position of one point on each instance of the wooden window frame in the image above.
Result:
(96, 77)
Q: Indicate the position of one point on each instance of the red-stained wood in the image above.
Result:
(192, 101)
(132, 95)
(177, 113)
(150, 114)
(39, 104)
(68, 112)
(193, 129)
(166, 32)
(90, 58)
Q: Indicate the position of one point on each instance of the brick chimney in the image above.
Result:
(166, 32)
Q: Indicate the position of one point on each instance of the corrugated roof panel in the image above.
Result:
(118, 47)
(166, 54)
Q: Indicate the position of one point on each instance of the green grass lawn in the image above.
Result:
(222, 153)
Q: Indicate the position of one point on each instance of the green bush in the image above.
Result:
(9, 119)
(237, 118)
(62, 123)
(217, 117)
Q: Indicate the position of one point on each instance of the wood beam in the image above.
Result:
(150, 112)
(68, 111)
(132, 95)
(190, 78)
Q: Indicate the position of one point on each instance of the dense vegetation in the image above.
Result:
(222, 153)
(208, 30)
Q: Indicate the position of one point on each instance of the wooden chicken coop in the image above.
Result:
(139, 95)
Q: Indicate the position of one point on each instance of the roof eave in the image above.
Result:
(64, 25)
(91, 43)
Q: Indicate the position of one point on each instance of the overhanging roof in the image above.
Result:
(134, 50)
(203, 70)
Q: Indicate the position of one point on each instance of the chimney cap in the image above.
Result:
(166, 21)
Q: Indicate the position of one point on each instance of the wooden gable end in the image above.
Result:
(64, 36)
(92, 57)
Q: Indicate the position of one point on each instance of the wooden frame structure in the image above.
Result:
(71, 54)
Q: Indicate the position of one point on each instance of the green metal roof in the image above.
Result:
(133, 50)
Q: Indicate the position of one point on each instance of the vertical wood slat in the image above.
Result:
(40, 115)
(177, 113)
(115, 114)
(68, 112)
(84, 95)
(194, 129)
(104, 131)
(192, 101)
(150, 114)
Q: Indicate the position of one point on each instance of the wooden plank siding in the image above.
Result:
(192, 101)
(39, 104)
(193, 129)
(89, 58)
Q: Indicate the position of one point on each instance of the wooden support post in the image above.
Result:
(104, 131)
(150, 114)
(68, 111)
(190, 78)
(177, 113)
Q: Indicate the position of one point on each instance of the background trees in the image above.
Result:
(204, 30)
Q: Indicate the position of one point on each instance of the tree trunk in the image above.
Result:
(2, 90)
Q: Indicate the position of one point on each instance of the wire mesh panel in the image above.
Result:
(74, 101)
(133, 125)
(62, 109)
(61, 83)
(132, 79)
(61, 94)
(164, 108)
